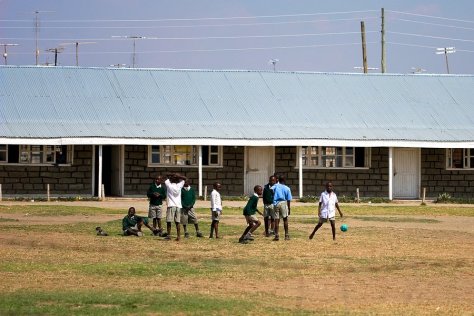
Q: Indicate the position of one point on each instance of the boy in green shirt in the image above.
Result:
(249, 212)
(132, 224)
(188, 215)
(156, 193)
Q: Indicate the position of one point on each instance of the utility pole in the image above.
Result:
(77, 48)
(56, 51)
(5, 54)
(446, 51)
(364, 49)
(383, 62)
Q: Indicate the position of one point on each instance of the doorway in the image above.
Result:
(406, 173)
(112, 170)
(260, 164)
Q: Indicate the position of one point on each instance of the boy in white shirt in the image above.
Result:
(216, 209)
(174, 184)
(327, 210)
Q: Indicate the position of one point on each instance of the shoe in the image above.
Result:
(164, 234)
(267, 235)
(276, 238)
(156, 232)
(287, 237)
(243, 241)
(167, 237)
(186, 235)
(272, 233)
(199, 234)
(248, 237)
(140, 234)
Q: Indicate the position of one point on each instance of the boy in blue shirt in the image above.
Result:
(281, 206)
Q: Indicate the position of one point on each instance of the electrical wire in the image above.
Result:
(431, 16)
(191, 26)
(436, 24)
(201, 19)
(430, 36)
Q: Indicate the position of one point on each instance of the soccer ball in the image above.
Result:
(344, 227)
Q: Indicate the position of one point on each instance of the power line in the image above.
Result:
(219, 49)
(426, 46)
(431, 16)
(194, 25)
(201, 19)
(430, 36)
(197, 38)
(436, 24)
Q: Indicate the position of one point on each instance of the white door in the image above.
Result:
(259, 166)
(406, 173)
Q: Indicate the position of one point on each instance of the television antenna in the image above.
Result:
(417, 70)
(37, 52)
(273, 62)
(56, 51)
(134, 38)
(5, 54)
(77, 48)
(446, 51)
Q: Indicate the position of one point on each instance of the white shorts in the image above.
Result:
(173, 214)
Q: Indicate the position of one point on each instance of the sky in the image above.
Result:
(281, 35)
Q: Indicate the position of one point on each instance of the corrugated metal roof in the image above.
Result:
(84, 105)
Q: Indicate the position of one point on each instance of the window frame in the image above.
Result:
(167, 152)
(317, 155)
(45, 155)
(467, 159)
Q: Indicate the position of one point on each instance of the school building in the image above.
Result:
(74, 129)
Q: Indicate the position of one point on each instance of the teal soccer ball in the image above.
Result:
(344, 227)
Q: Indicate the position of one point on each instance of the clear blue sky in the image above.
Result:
(305, 35)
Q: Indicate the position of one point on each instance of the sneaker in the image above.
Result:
(140, 234)
(186, 235)
(243, 241)
(164, 234)
(276, 238)
(199, 234)
(287, 237)
(248, 237)
(272, 233)
(156, 232)
(267, 235)
(167, 237)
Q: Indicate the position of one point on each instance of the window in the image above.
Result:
(335, 157)
(184, 155)
(36, 154)
(460, 158)
(3, 153)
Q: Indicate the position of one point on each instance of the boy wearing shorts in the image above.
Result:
(188, 215)
(249, 212)
(174, 184)
(267, 197)
(281, 206)
(216, 209)
(156, 193)
(327, 210)
(132, 224)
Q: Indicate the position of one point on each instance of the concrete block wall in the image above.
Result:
(372, 182)
(72, 180)
(437, 180)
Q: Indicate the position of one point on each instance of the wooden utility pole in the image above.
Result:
(383, 62)
(364, 49)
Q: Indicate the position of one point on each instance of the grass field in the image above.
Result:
(393, 260)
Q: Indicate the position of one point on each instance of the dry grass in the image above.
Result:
(377, 267)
